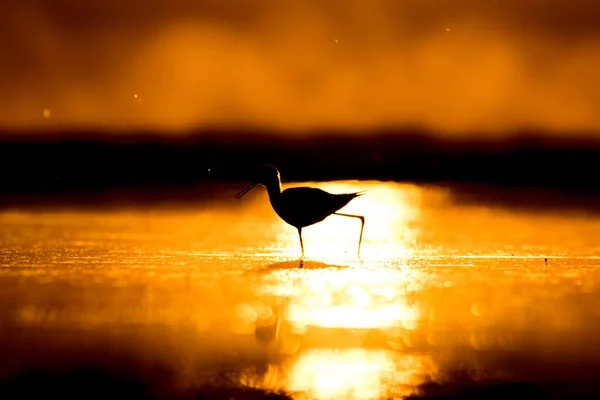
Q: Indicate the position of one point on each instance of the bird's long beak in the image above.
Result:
(246, 190)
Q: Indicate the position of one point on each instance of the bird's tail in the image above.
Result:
(356, 194)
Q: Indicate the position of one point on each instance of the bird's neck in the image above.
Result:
(274, 191)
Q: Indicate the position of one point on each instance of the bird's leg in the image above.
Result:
(362, 226)
(301, 242)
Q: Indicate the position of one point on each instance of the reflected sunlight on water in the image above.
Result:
(345, 298)
(357, 373)
(443, 292)
(336, 374)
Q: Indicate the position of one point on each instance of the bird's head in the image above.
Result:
(266, 175)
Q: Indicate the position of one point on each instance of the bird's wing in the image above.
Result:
(317, 193)
(315, 197)
(306, 194)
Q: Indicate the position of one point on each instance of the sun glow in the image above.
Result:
(390, 213)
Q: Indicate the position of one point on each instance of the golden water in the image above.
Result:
(445, 291)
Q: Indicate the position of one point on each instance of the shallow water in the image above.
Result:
(450, 295)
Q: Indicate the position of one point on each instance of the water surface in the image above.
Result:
(452, 295)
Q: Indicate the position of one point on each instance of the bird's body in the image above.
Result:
(305, 206)
(301, 206)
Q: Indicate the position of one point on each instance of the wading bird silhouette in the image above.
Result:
(301, 206)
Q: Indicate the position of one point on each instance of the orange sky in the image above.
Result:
(450, 65)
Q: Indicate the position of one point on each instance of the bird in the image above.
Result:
(301, 206)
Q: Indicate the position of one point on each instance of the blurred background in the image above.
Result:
(107, 94)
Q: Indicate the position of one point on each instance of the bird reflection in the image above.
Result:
(267, 329)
